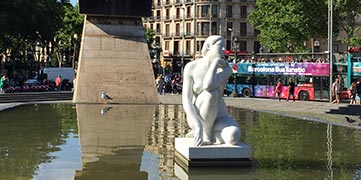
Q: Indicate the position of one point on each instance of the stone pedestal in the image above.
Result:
(211, 155)
(114, 58)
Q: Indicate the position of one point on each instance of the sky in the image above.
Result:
(73, 2)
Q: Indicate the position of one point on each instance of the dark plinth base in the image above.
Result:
(187, 155)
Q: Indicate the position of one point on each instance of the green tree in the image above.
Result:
(284, 25)
(67, 36)
(346, 13)
(22, 22)
(149, 35)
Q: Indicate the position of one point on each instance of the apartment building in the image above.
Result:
(181, 27)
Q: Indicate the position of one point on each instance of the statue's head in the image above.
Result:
(215, 44)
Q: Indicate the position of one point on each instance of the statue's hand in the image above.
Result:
(198, 136)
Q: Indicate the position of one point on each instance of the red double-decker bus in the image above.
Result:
(257, 76)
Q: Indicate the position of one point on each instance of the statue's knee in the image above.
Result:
(231, 135)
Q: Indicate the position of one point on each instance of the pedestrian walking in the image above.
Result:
(160, 83)
(279, 89)
(353, 93)
(58, 81)
(336, 89)
(4, 82)
(291, 89)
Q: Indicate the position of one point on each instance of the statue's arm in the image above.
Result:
(214, 80)
(193, 117)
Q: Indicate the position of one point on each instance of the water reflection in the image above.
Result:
(112, 141)
(32, 136)
(136, 142)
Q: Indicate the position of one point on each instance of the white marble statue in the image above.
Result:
(203, 84)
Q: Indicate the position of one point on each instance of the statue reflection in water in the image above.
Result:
(203, 84)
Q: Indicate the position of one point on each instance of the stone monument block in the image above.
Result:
(114, 58)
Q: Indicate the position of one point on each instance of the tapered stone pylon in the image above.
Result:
(114, 58)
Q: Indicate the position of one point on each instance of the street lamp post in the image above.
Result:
(183, 39)
(235, 48)
(37, 55)
(330, 50)
(74, 53)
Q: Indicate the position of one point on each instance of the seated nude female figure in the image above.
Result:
(203, 84)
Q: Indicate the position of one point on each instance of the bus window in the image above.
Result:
(244, 79)
(261, 80)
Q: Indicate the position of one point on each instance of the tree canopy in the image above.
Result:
(24, 22)
(284, 25)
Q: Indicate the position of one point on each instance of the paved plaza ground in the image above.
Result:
(308, 110)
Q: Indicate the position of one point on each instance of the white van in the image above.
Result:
(51, 73)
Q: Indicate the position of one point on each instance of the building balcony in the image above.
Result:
(157, 32)
(188, 1)
(167, 3)
(203, 1)
(156, 5)
(176, 35)
(167, 18)
(177, 2)
(156, 18)
(177, 17)
(202, 34)
(166, 35)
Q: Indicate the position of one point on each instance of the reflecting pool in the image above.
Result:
(91, 142)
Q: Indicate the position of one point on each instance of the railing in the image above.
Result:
(156, 5)
(167, 18)
(167, 3)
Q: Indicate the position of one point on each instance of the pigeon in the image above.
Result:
(349, 120)
(105, 110)
(105, 96)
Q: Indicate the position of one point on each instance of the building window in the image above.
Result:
(228, 44)
(188, 29)
(200, 45)
(335, 48)
(257, 47)
(214, 28)
(167, 16)
(158, 15)
(204, 28)
(166, 45)
(177, 29)
(214, 11)
(188, 47)
(189, 12)
(178, 13)
(243, 45)
(176, 47)
(256, 32)
(157, 28)
(229, 11)
(205, 10)
(243, 11)
(229, 28)
(243, 29)
(167, 30)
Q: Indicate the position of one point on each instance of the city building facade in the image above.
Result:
(182, 26)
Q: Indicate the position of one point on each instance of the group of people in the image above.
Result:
(169, 84)
(291, 89)
(279, 60)
(354, 92)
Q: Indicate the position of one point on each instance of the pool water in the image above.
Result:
(67, 141)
